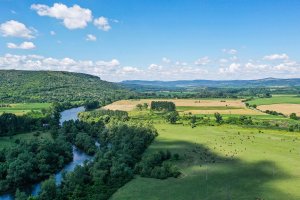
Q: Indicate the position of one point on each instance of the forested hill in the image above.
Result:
(267, 82)
(51, 86)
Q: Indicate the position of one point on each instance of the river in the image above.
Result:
(79, 157)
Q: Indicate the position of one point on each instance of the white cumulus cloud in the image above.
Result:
(14, 28)
(232, 68)
(277, 57)
(73, 17)
(23, 45)
(102, 23)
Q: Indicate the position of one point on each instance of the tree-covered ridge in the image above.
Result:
(50, 86)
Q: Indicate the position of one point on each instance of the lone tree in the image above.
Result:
(139, 106)
(294, 116)
(145, 106)
(218, 117)
(172, 117)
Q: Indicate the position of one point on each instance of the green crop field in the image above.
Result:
(223, 162)
(289, 99)
(7, 141)
(23, 108)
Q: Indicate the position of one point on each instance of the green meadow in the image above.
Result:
(223, 162)
(284, 99)
(23, 108)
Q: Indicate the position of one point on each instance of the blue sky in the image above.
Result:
(153, 39)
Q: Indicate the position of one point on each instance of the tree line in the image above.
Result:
(162, 106)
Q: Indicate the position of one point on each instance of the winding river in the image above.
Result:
(79, 157)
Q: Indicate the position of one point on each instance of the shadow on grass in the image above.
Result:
(208, 175)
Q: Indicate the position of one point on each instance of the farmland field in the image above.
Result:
(223, 162)
(194, 106)
(23, 108)
(286, 109)
(284, 99)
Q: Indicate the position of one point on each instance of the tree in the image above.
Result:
(48, 191)
(218, 117)
(172, 117)
(145, 105)
(294, 116)
(20, 195)
(139, 106)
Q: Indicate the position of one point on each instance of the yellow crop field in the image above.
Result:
(286, 109)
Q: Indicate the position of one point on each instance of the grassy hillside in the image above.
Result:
(224, 162)
(50, 86)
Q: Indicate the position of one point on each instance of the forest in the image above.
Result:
(52, 86)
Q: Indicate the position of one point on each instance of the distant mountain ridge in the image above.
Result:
(266, 82)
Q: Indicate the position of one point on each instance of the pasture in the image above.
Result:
(276, 99)
(223, 162)
(23, 108)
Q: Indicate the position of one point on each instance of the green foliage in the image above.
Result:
(48, 190)
(50, 86)
(11, 124)
(20, 195)
(294, 116)
(218, 117)
(157, 165)
(103, 115)
(90, 105)
(272, 112)
(172, 117)
(122, 146)
(32, 161)
(163, 106)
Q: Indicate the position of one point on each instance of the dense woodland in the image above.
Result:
(32, 161)
(122, 146)
(50, 86)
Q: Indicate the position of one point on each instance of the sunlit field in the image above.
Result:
(23, 108)
(224, 162)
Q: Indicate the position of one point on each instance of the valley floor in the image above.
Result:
(223, 162)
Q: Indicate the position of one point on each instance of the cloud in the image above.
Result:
(90, 37)
(166, 60)
(102, 23)
(230, 51)
(232, 68)
(129, 69)
(73, 17)
(23, 45)
(155, 67)
(52, 33)
(202, 61)
(277, 57)
(14, 28)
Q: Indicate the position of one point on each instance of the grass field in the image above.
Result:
(23, 108)
(6, 142)
(288, 99)
(223, 162)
